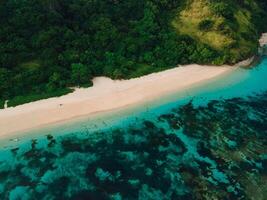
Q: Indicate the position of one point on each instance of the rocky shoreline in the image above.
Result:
(263, 45)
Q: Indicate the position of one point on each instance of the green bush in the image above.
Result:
(206, 25)
(19, 100)
(223, 9)
(80, 74)
(2, 103)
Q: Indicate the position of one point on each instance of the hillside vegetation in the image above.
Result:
(226, 26)
(50, 45)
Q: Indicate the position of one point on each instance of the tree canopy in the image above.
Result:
(53, 44)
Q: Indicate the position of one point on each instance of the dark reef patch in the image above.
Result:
(217, 151)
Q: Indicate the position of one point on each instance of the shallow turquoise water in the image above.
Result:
(208, 143)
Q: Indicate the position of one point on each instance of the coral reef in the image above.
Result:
(213, 151)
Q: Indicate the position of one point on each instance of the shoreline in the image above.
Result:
(263, 40)
(106, 96)
(109, 95)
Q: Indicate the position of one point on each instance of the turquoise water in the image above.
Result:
(208, 142)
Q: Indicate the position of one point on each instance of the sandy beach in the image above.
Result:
(106, 95)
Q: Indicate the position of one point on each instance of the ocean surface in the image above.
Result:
(208, 142)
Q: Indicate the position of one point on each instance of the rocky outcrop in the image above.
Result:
(263, 45)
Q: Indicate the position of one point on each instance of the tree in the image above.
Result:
(55, 82)
(5, 83)
(73, 40)
(205, 25)
(80, 74)
(223, 9)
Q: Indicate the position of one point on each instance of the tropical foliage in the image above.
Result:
(49, 45)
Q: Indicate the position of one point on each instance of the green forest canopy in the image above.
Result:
(47, 46)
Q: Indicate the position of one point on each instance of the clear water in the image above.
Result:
(208, 142)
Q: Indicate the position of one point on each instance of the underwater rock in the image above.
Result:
(90, 195)
(149, 124)
(15, 150)
(147, 193)
(20, 192)
(34, 143)
(49, 137)
(213, 151)
(103, 175)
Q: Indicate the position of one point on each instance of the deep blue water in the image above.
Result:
(208, 144)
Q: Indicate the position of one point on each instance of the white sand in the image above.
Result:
(104, 96)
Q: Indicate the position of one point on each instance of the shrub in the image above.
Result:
(223, 9)
(18, 100)
(80, 74)
(2, 102)
(206, 25)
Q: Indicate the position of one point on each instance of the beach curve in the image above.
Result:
(107, 95)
